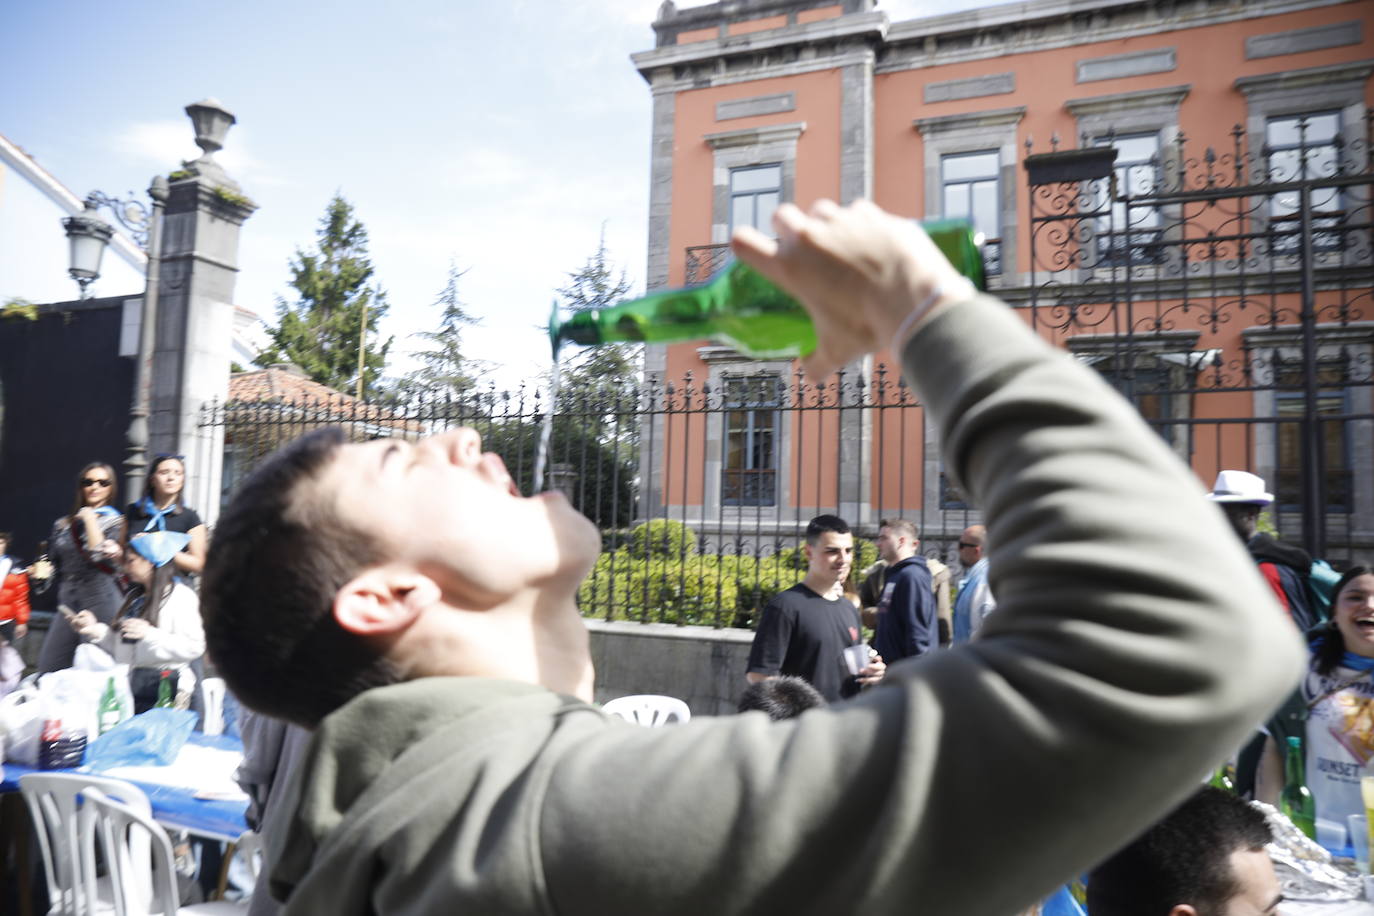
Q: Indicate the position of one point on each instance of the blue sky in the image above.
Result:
(499, 135)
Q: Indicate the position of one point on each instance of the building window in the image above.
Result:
(971, 189)
(754, 194)
(1149, 388)
(753, 411)
(1129, 233)
(1331, 401)
(1296, 148)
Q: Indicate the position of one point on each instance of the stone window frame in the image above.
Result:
(1131, 114)
(1173, 352)
(1285, 343)
(750, 146)
(725, 363)
(976, 132)
(1336, 87)
(734, 149)
(775, 406)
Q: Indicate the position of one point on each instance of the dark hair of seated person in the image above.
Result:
(1183, 859)
(780, 697)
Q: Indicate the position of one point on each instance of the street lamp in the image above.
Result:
(88, 235)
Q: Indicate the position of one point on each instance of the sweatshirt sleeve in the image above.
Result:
(179, 636)
(1094, 700)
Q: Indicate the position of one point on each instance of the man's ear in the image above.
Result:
(382, 601)
(1183, 909)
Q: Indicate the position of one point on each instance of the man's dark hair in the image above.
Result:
(901, 526)
(1183, 859)
(823, 523)
(278, 558)
(780, 697)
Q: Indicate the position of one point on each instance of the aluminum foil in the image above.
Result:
(1306, 871)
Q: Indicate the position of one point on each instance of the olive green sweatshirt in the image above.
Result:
(1134, 645)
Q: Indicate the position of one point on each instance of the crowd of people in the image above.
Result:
(405, 622)
(123, 581)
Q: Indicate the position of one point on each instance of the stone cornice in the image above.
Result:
(1354, 332)
(1040, 25)
(1358, 71)
(1170, 97)
(866, 26)
(964, 120)
(751, 136)
(1158, 342)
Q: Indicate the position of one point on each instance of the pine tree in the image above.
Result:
(334, 287)
(443, 367)
(597, 285)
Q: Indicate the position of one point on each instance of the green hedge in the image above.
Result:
(660, 576)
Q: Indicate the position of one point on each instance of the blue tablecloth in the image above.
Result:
(173, 806)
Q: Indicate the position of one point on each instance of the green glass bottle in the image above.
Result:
(1296, 801)
(1222, 778)
(738, 306)
(164, 691)
(109, 712)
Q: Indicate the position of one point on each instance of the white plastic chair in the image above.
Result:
(138, 854)
(212, 703)
(53, 800)
(650, 710)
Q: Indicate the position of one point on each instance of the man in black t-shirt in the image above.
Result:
(805, 630)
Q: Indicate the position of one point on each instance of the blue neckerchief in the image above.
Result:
(107, 511)
(1357, 662)
(155, 515)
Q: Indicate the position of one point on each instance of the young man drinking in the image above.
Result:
(408, 605)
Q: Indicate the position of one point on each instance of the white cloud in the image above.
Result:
(164, 144)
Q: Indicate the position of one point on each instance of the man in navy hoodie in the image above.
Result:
(906, 618)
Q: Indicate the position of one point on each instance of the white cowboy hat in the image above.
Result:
(1240, 487)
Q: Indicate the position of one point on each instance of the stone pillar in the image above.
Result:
(195, 320)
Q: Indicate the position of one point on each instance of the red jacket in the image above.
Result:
(14, 598)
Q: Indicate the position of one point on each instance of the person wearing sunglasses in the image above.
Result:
(84, 549)
(163, 508)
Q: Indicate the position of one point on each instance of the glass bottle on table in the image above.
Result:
(739, 306)
(164, 691)
(109, 713)
(1295, 801)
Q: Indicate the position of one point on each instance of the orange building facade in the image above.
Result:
(1176, 192)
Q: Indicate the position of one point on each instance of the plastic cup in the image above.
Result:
(856, 657)
(1358, 825)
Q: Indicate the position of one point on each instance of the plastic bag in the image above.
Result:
(21, 726)
(152, 738)
(95, 659)
(11, 668)
(73, 697)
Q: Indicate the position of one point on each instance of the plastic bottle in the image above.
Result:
(738, 306)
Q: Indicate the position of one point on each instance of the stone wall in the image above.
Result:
(700, 665)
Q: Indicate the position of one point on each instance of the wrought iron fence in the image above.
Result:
(1228, 297)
